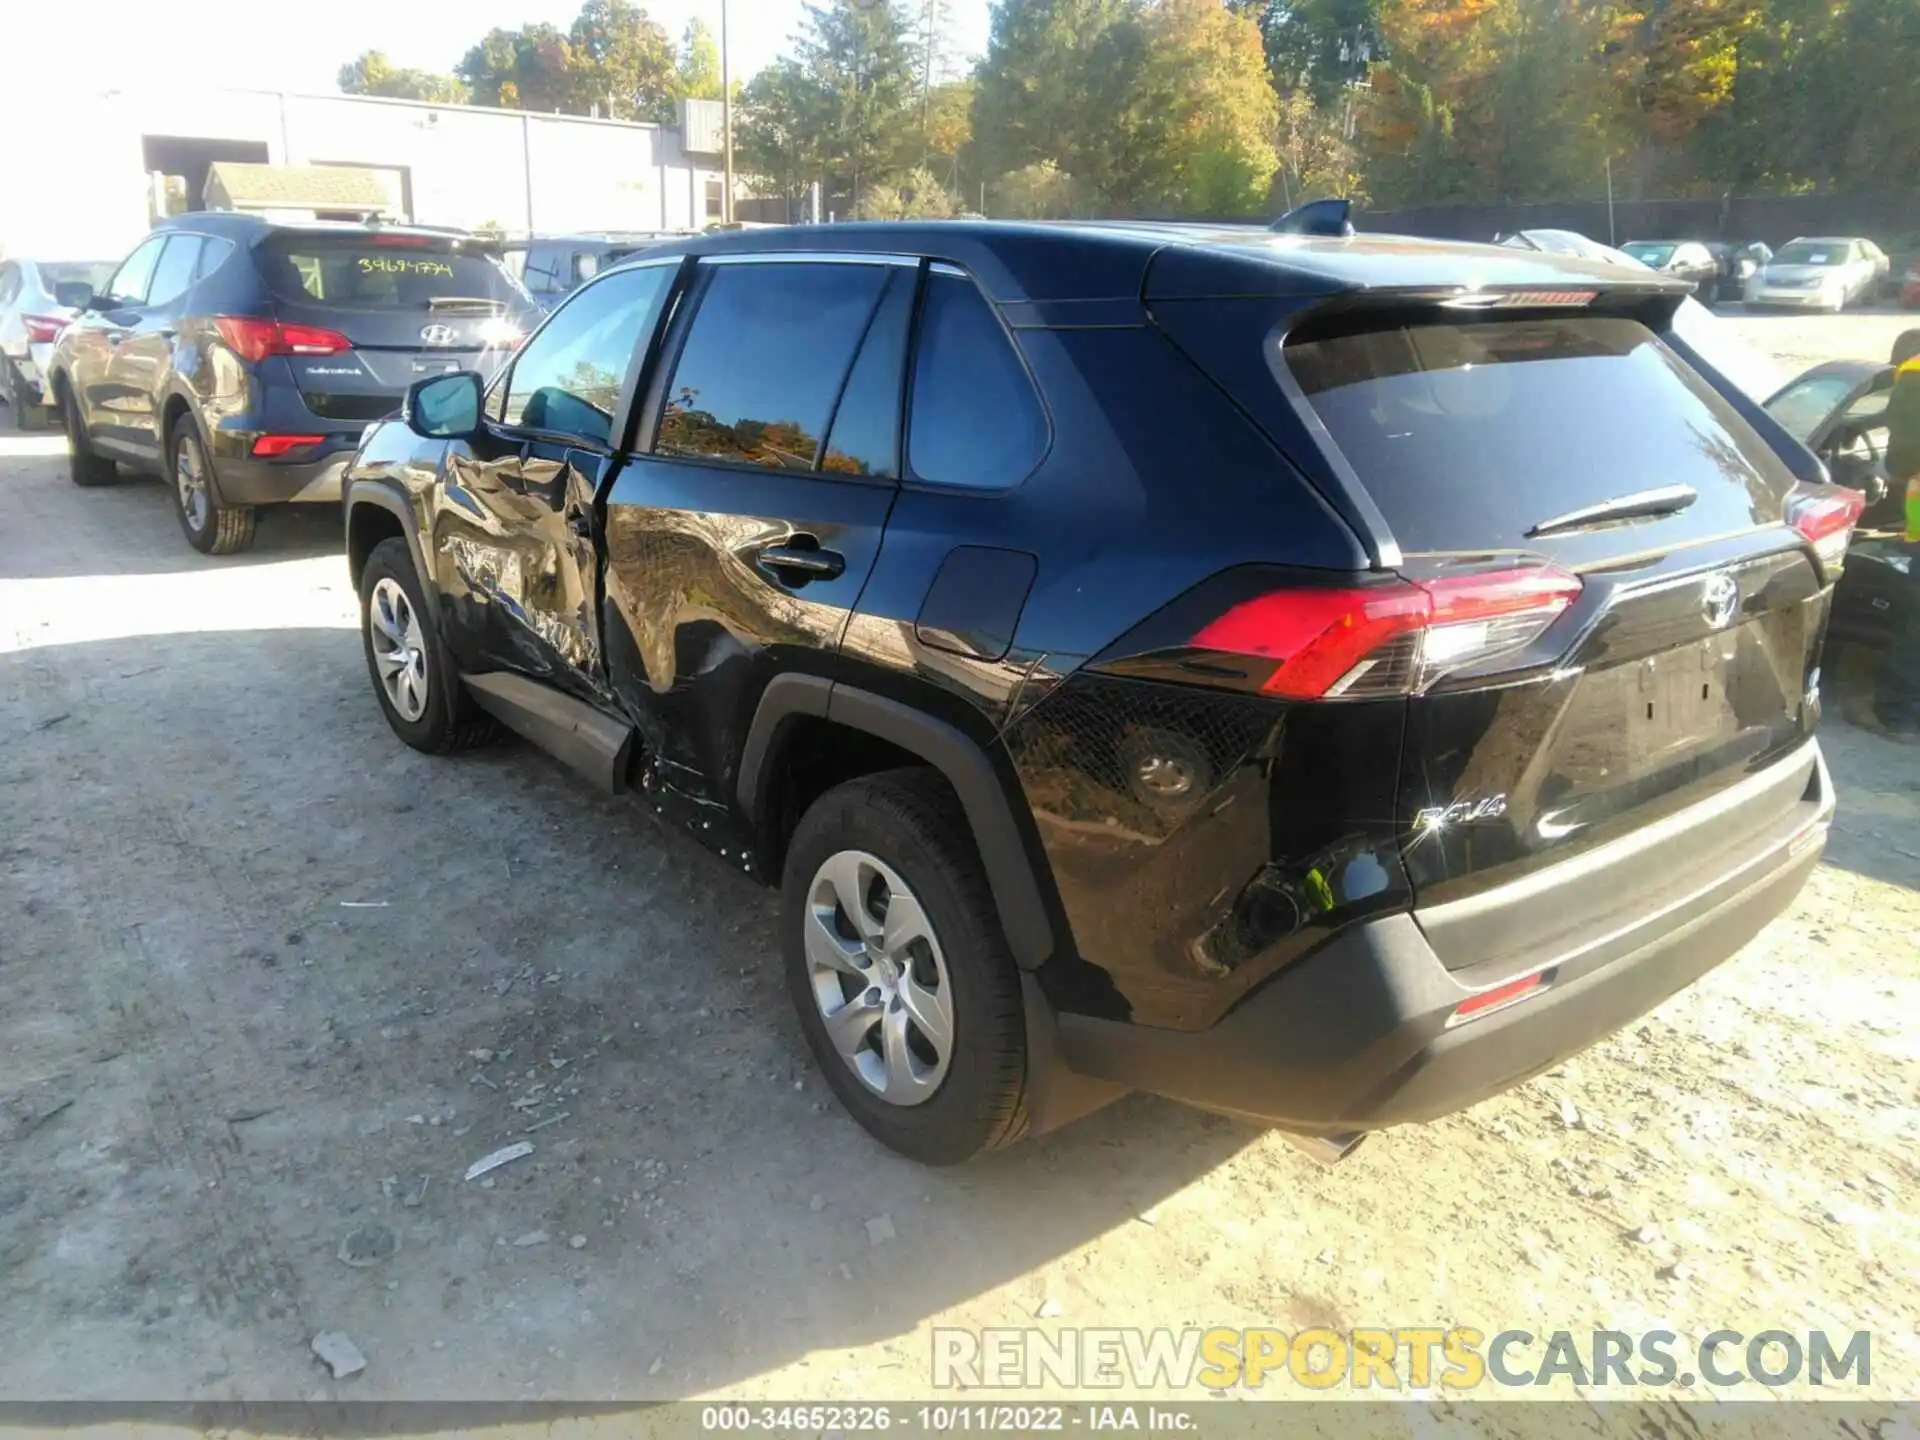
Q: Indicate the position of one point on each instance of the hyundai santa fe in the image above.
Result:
(242, 358)
(1323, 680)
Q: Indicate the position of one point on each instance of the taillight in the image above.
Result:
(1825, 516)
(43, 329)
(1395, 638)
(272, 447)
(254, 340)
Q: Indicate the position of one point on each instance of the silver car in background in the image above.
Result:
(31, 319)
(1822, 273)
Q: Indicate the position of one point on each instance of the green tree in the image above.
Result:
(1321, 46)
(699, 71)
(621, 59)
(916, 195)
(1040, 191)
(373, 74)
(1152, 106)
(861, 62)
(779, 132)
(525, 69)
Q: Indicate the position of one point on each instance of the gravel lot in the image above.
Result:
(274, 981)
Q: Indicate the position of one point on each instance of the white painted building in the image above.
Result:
(87, 189)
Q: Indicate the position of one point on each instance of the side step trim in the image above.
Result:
(570, 730)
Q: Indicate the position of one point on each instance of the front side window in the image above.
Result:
(975, 420)
(567, 380)
(770, 344)
(130, 281)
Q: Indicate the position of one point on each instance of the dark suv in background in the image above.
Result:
(1323, 680)
(243, 358)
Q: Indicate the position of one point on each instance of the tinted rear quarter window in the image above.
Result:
(1468, 434)
(764, 361)
(975, 420)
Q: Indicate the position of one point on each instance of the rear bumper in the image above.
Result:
(245, 481)
(1357, 1036)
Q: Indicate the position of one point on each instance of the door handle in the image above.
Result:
(802, 563)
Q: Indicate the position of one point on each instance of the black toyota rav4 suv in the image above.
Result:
(1322, 680)
(242, 359)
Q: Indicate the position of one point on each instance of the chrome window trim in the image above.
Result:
(811, 257)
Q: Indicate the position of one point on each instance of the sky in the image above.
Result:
(287, 45)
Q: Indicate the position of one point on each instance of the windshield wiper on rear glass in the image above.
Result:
(1642, 503)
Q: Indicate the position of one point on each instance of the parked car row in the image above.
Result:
(1376, 773)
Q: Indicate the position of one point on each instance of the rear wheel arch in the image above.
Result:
(796, 710)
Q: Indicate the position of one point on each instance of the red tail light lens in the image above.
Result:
(1361, 642)
(272, 447)
(254, 340)
(1825, 516)
(43, 329)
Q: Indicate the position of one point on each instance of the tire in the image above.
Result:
(211, 527)
(870, 837)
(84, 467)
(447, 721)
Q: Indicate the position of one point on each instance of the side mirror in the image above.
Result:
(74, 294)
(446, 407)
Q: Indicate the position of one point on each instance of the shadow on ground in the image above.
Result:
(273, 977)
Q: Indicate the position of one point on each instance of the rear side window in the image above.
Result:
(375, 274)
(764, 361)
(1468, 434)
(975, 419)
(567, 380)
(174, 273)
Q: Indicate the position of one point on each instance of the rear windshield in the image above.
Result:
(1468, 434)
(398, 273)
(1812, 252)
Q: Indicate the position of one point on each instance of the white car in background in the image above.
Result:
(31, 319)
(1827, 273)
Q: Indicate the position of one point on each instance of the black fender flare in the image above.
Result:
(996, 833)
(381, 496)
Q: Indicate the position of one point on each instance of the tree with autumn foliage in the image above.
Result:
(1150, 106)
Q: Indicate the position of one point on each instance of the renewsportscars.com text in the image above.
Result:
(1412, 1358)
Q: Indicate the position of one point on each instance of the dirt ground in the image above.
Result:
(274, 981)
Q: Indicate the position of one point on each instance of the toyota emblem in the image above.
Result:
(1719, 600)
(439, 334)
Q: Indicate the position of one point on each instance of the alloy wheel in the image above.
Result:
(399, 649)
(879, 978)
(190, 477)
